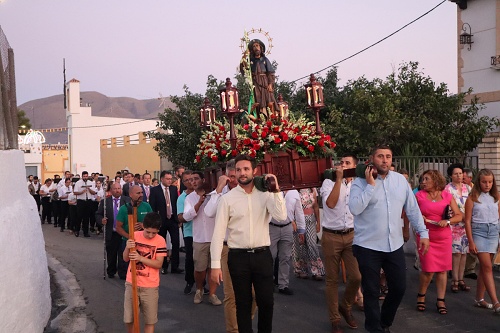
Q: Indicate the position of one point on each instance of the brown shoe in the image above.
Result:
(349, 319)
(336, 327)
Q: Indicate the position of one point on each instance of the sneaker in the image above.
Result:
(214, 300)
(188, 289)
(198, 297)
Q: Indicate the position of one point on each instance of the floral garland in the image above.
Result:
(257, 137)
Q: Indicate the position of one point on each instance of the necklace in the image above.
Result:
(434, 198)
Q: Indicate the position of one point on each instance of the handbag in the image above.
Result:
(446, 213)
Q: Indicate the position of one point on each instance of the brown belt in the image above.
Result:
(339, 232)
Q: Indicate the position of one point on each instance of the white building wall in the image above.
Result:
(476, 71)
(85, 131)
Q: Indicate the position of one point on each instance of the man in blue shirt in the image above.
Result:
(377, 205)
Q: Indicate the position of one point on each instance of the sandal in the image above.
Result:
(483, 304)
(442, 310)
(454, 286)
(496, 309)
(420, 305)
(462, 286)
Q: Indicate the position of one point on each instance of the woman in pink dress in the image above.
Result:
(434, 202)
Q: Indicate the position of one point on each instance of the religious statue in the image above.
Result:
(262, 75)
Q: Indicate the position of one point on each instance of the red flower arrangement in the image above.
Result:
(256, 138)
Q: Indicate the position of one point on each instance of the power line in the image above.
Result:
(378, 42)
(60, 129)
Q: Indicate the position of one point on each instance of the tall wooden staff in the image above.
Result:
(104, 185)
(132, 220)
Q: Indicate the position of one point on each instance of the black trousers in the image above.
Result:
(83, 208)
(255, 269)
(46, 210)
(72, 217)
(38, 202)
(113, 254)
(122, 265)
(393, 263)
(55, 206)
(173, 229)
(189, 263)
(93, 209)
(63, 215)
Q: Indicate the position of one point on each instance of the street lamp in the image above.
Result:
(207, 114)
(282, 108)
(466, 37)
(314, 91)
(230, 107)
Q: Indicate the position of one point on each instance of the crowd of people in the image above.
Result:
(253, 240)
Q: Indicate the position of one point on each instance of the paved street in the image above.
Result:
(303, 312)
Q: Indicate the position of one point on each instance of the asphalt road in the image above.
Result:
(303, 312)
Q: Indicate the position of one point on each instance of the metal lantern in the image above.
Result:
(207, 114)
(282, 111)
(315, 101)
(230, 107)
(229, 98)
(466, 37)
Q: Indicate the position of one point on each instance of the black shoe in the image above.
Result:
(55, 225)
(62, 230)
(111, 276)
(163, 271)
(386, 329)
(177, 271)
(286, 291)
(206, 291)
(182, 249)
(188, 289)
(86, 235)
(472, 276)
(77, 233)
(123, 277)
(49, 222)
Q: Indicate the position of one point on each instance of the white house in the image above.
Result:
(479, 61)
(85, 131)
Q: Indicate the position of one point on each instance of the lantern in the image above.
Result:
(207, 114)
(466, 37)
(282, 111)
(230, 107)
(314, 91)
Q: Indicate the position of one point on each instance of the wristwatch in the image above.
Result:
(448, 221)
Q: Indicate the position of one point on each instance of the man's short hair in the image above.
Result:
(152, 220)
(85, 173)
(199, 173)
(230, 165)
(35, 177)
(468, 172)
(244, 157)
(374, 149)
(178, 167)
(146, 173)
(403, 172)
(118, 173)
(165, 172)
(187, 173)
(353, 156)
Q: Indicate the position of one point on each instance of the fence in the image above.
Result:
(8, 102)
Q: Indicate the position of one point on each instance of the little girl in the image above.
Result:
(481, 225)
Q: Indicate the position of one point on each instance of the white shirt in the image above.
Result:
(294, 209)
(340, 217)
(100, 193)
(211, 206)
(203, 225)
(79, 186)
(246, 216)
(63, 191)
(45, 190)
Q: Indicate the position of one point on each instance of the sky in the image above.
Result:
(142, 49)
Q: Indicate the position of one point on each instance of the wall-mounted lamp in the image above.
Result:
(466, 37)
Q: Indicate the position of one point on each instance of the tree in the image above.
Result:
(24, 122)
(406, 110)
(180, 128)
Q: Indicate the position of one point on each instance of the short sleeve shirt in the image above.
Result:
(147, 276)
(122, 216)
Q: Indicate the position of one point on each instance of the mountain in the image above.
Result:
(48, 112)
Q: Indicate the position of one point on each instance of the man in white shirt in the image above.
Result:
(336, 241)
(203, 229)
(84, 191)
(245, 212)
(64, 192)
(281, 234)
